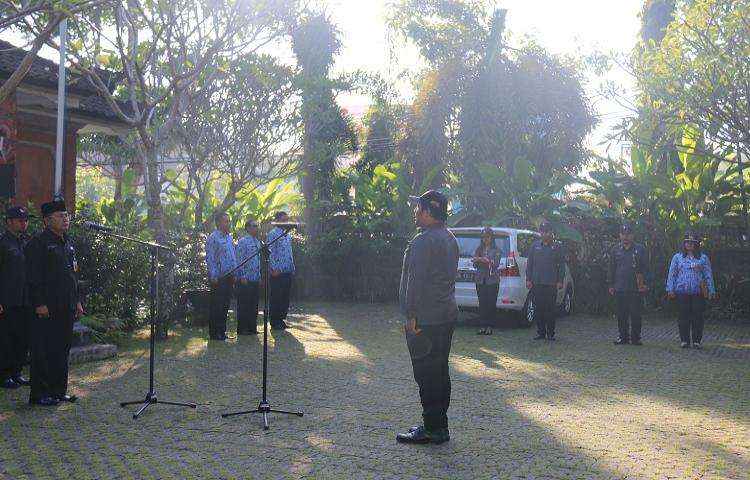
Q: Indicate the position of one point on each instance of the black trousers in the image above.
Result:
(14, 340)
(545, 297)
(690, 310)
(487, 294)
(629, 315)
(429, 351)
(51, 338)
(221, 294)
(281, 289)
(247, 307)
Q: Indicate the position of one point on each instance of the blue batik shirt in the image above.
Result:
(220, 257)
(281, 258)
(246, 248)
(686, 274)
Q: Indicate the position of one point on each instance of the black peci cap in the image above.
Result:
(545, 226)
(53, 207)
(435, 201)
(627, 227)
(17, 212)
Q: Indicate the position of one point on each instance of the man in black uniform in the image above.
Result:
(626, 278)
(52, 272)
(545, 273)
(428, 303)
(14, 299)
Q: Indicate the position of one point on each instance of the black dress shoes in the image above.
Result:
(9, 383)
(45, 402)
(67, 398)
(21, 380)
(540, 337)
(636, 343)
(421, 435)
(620, 341)
(251, 332)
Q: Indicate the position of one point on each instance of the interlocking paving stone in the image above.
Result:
(579, 407)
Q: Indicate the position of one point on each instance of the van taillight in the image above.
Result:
(511, 267)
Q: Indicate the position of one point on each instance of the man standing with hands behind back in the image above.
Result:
(52, 272)
(281, 263)
(15, 312)
(427, 298)
(248, 286)
(545, 273)
(220, 260)
(626, 278)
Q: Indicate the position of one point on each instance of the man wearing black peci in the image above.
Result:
(15, 309)
(220, 260)
(52, 273)
(626, 278)
(428, 303)
(248, 280)
(545, 273)
(281, 264)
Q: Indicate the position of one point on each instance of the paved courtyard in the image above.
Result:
(576, 408)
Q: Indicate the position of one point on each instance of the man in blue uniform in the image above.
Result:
(52, 273)
(220, 260)
(281, 263)
(545, 273)
(248, 280)
(428, 304)
(14, 299)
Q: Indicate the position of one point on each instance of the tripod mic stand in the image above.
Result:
(264, 407)
(151, 397)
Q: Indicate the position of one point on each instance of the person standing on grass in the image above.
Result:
(248, 280)
(690, 282)
(220, 260)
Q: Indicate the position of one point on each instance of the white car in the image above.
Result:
(513, 294)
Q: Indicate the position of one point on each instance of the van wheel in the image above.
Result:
(528, 314)
(566, 307)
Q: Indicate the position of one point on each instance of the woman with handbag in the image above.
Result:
(487, 282)
(691, 282)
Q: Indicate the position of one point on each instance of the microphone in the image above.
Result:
(97, 226)
(287, 225)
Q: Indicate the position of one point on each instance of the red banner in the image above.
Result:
(8, 130)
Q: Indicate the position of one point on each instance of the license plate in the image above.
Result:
(465, 277)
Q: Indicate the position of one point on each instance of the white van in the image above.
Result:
(513, 294)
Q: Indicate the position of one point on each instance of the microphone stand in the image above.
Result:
(151, 397)
(264, 407)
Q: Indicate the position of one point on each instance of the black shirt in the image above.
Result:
(624, 263)
(546, 263)
(428, 277)
(13, 291)
(52, 272)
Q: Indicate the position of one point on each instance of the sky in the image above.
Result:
(576, 27)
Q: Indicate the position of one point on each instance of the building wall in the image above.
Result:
(35, 166)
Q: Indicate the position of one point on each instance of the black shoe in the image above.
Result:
(285, 325)
(21, 380)
(551, 338)
(419, 435)
(255, 332)
(9, 383)
(441, 436)
(540, 337)
(637, 343)
(620, 341)
(45, 402)
(67, 398)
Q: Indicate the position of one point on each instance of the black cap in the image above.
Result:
(691, 237)
(435, 201)
(17, 212)
(545, 226)
(627, 227)
(53, 207)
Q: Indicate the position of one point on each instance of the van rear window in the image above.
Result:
(468, 242)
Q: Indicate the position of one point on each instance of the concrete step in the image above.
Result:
(92, 353)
